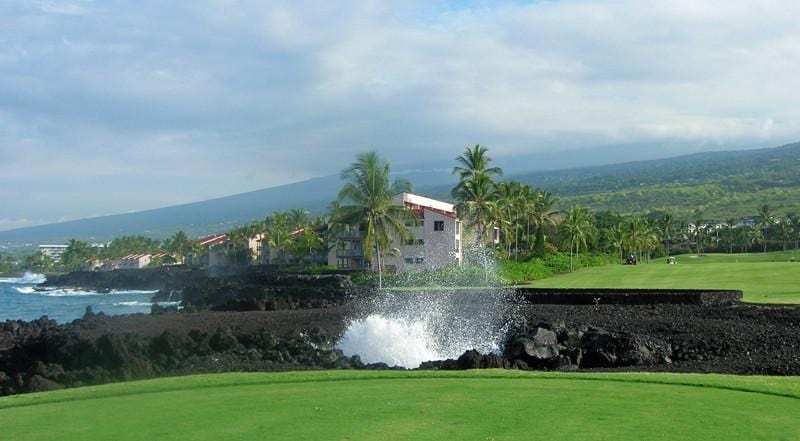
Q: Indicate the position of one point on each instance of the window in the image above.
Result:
(413, 242)
(419, 242)
(409, 260)
(458, 244)
(438, 225)
(419, 260)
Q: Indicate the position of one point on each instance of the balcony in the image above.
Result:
(349, 253)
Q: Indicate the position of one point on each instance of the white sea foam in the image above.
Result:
(26, 279)
(407, 328)
(25, 289)
(134, 303)
(72, 292)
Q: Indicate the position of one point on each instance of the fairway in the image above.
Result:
(358, 405)
(761, 281)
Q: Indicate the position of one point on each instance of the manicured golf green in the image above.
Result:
(761, 282)
(480, 405)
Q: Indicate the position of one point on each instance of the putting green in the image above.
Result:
(347, 405)
(761, 282)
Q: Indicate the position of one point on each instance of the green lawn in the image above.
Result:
(761, 281)
(736, 258)
(357, 405)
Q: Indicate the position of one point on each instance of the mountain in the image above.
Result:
(714, 185)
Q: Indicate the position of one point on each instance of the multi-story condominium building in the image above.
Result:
(435, 240)
(54, 252)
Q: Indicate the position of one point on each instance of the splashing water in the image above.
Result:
(406, 328)
(26, 279)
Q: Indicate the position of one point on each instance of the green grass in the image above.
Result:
(352, 405)
(761, 280)
(735, 258)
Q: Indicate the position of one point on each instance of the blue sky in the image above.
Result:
(112, 106)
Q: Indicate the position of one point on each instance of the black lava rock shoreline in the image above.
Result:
(257, 322)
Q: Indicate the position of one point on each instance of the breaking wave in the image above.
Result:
(26, 279)
(71, 292)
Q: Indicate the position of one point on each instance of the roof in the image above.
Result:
(413, 201)
(212, 240)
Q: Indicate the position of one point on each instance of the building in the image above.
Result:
(213, 254)
(435, 240)
(135, 261)
(54, 252)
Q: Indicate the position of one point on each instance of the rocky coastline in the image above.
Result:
(262, 320)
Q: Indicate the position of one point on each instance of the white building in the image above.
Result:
(135, 261)
(435, 240)
(54, 252)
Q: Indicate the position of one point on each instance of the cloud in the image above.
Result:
(187, 100)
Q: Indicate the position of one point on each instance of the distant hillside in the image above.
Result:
(714, 185)
(195, 218)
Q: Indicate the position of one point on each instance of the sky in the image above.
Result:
(112, 106)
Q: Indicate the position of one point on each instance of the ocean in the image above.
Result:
(20, 300)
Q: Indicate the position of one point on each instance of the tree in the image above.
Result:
(367, 199)
(307, 244)
(179, 244)
(615, 237)
(579, 230)
(766, 221)
(785, 232)
(667, 227)
(298, 218)
(477, 204)
(473, 162)
(730, 227)
(542, 215)
(76, 254)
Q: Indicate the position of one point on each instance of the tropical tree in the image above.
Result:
(730, 228)
(699, 234)
(477, 203)
(279, 238)
(76, 254)
(179, 244)
(667, 228)
(578, 229)
(754, 235)
(766, 220)
(367, 200)
(472, 163)
(785, 232)
(615, 236)
(298, 218)
(307, 244)
(543, 216)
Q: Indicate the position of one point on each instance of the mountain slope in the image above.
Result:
(714, 185)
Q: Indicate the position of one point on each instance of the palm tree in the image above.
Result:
(477, 203)
(699, 234)
(754, 236)
(298, 218)
(578, 228)
(785, 232)
(542, 217)
(667, 228)
(766, 221)
(179, 244)
(473, 163)
(615, 236)
(730, 227)
(367, 200)
(307, 244)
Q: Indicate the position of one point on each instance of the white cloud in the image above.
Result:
(232, 95)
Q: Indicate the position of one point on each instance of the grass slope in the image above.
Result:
(484, 405)
(764, 278)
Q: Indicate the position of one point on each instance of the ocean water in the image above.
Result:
(21, 300)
